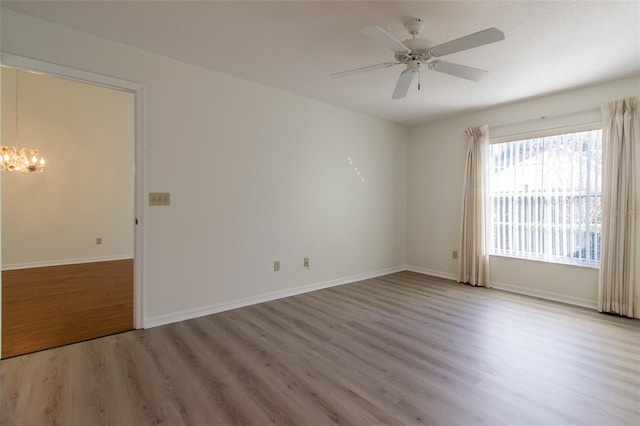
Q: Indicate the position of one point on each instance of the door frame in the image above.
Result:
(137, 89)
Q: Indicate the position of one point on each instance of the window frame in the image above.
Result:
(523, 136)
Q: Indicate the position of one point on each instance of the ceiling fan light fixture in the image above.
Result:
(413, 66)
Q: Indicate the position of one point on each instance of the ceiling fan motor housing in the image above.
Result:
(420, 51)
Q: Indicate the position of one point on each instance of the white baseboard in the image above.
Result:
(544, 294)
(513, 288)
(266, 297)
(61, 262)
(432, 272)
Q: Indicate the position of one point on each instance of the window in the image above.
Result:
(545, 198)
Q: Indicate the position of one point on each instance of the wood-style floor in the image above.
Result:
(400, 349)
(56, 305)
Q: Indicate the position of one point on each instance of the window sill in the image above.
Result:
(554, 262)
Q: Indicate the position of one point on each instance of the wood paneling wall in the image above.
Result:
(57, 305)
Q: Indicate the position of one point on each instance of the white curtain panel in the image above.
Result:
(473, 266)
(620, 143)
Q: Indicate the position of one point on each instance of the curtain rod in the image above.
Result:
(543, 117)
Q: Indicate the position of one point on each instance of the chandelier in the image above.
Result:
(14, 159)
(21, 160)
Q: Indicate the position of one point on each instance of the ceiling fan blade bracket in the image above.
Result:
(403, 57)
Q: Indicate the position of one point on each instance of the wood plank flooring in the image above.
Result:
(57, 305)
(400, 349)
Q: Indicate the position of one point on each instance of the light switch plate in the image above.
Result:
(159, 199)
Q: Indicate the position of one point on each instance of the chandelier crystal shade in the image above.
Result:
(24, 160)
(15, 159)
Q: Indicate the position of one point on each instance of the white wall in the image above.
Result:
(255, 175)
(86, 134)
(435, 176)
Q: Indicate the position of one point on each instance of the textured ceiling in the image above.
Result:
(295, 45)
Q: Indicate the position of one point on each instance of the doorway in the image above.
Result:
(68, 246)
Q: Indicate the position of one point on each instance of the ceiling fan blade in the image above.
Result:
(381, 36)
(490, 35)
(462, 71)
(402, 86)
(364, 69)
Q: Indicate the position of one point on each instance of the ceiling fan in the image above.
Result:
(416, 52)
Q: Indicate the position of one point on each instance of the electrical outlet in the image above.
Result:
(305, 262)
(98, 241)
(276, 265)
(454, 254)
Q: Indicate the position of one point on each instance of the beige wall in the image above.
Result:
(86, 134)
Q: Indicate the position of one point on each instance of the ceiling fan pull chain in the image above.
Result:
(419, 76)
